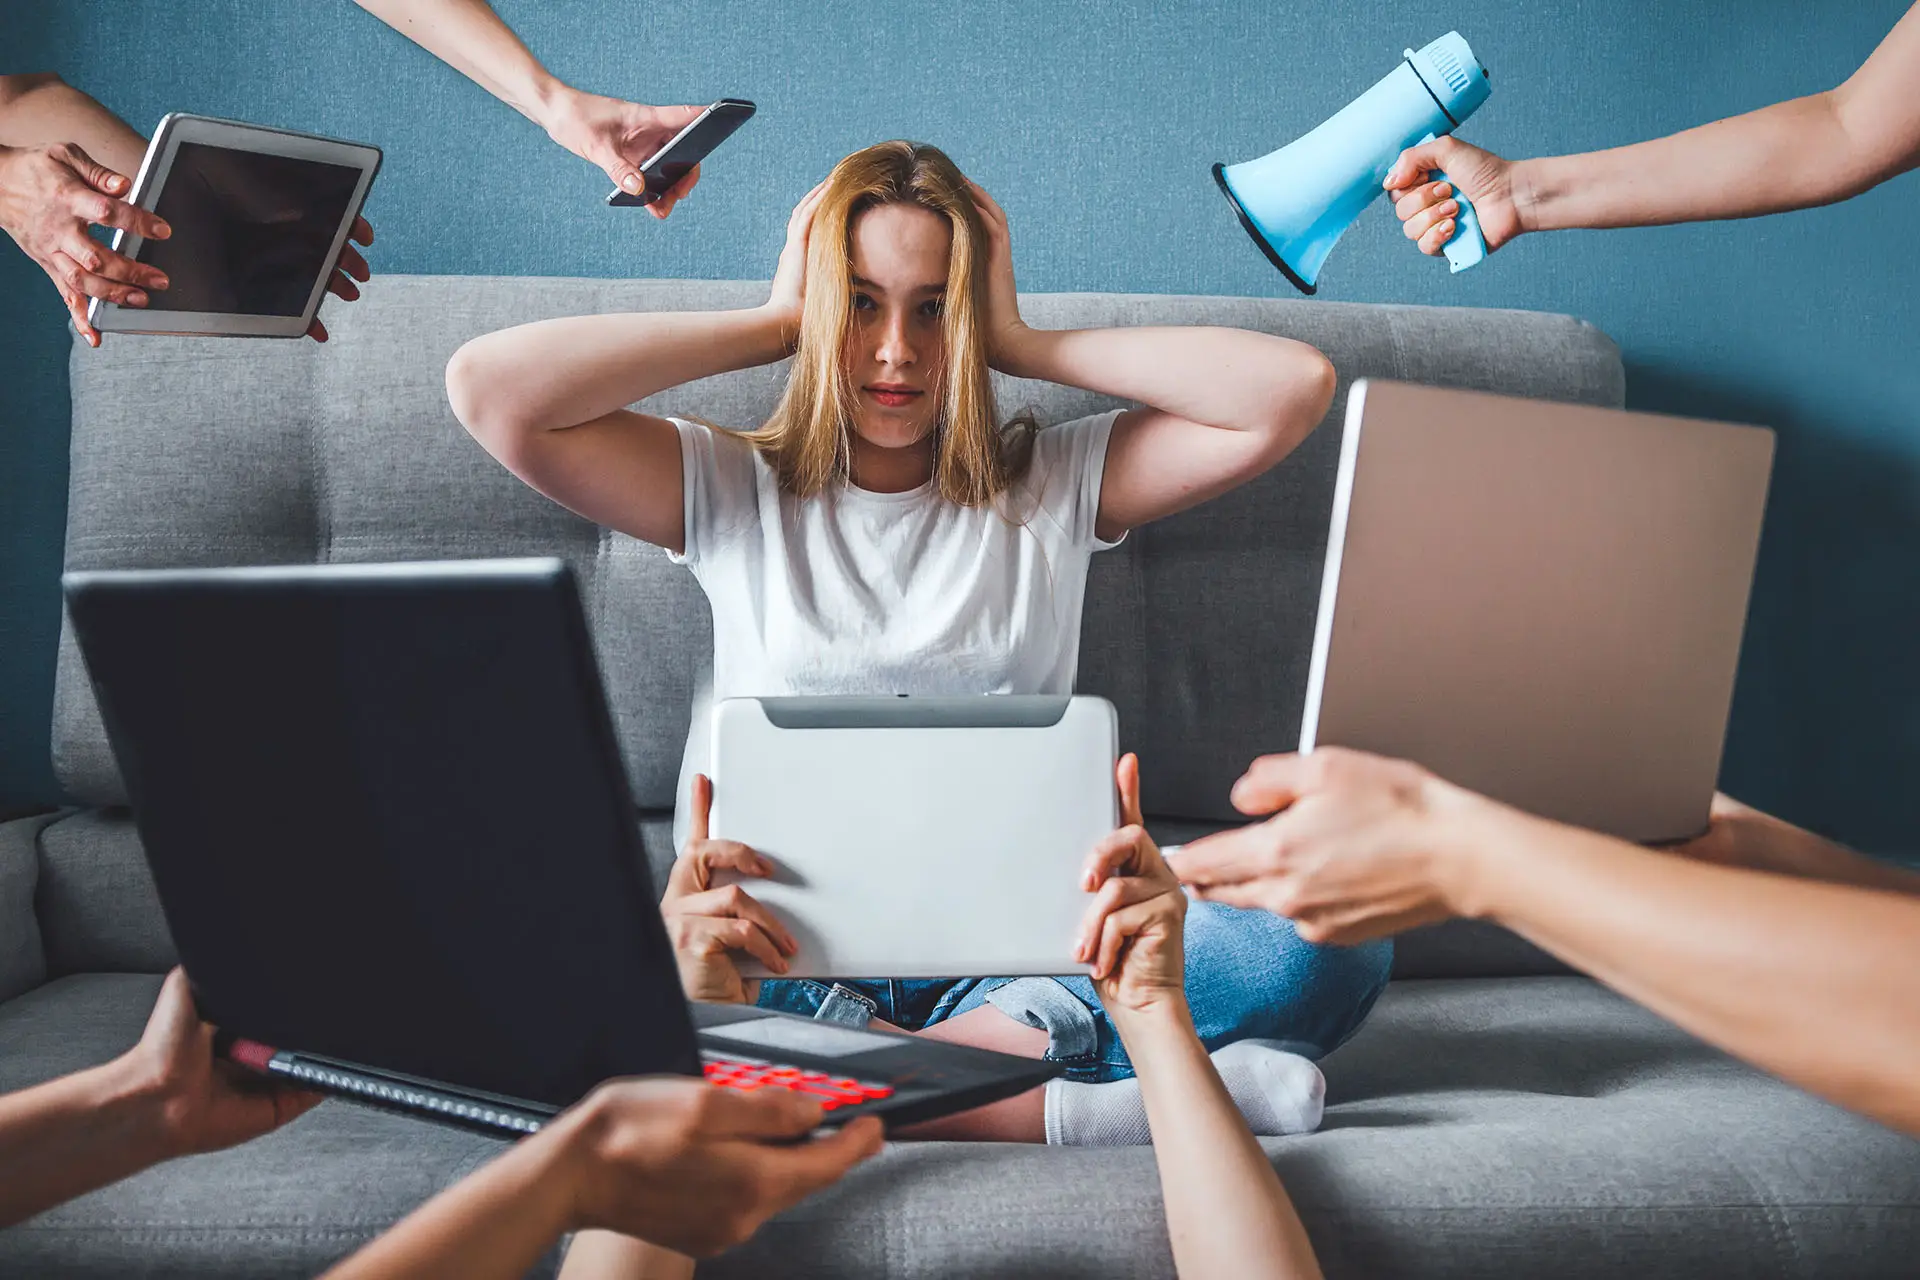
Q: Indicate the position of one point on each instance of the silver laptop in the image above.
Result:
(1542, 602)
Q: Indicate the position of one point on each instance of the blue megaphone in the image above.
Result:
(1297, 201)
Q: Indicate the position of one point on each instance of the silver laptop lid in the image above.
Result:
(1542, 602)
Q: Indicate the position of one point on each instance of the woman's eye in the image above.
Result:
(932, 308)
(861, 302)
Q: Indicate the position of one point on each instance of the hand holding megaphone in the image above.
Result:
(1428, 208)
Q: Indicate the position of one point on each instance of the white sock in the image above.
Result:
(1278, 1092)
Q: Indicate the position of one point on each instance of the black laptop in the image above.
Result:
(386, 813)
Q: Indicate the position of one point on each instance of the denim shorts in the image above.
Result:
(1249, 976)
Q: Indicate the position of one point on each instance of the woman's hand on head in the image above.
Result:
(1131, 935)
(1001, 323)
(709, 926)
(789, 294)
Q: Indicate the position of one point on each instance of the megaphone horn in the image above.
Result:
(1297, 202)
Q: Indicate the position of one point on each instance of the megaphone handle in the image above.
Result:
(1468, 246)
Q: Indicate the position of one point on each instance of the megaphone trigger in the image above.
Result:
(1467, 247)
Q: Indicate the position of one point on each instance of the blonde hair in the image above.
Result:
(807, 440)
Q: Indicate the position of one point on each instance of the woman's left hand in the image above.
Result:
(1132, 934)
(1001, 323)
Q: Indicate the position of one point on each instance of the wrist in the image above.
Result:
(1463, 838)
(562, 1164)
(548, 101)
(140, 1103)
(1019, 351)
(1152, 1024)
(1530, 184)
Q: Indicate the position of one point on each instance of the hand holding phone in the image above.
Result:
(684, 150)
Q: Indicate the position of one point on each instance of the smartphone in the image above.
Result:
(686, 149)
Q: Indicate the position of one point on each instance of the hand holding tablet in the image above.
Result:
(260, 221)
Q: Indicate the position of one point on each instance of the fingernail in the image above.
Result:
(1443, 190)
(162, 283)
(136, 299)
(162, 231)
(631, 183)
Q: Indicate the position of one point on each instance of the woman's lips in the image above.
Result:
(894, 397)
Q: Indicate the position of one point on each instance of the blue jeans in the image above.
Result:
(1249, 976)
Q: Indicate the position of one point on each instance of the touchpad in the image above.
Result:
(799, 1035)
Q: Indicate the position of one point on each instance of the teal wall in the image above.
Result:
(1094, 123)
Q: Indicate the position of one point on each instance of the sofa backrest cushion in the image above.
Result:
(216, 451)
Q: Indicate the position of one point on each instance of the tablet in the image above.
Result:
(919, 837)
(259, 217)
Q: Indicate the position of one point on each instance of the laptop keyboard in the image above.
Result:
(832, 1092)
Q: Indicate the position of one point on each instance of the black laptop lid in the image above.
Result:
(385, 812)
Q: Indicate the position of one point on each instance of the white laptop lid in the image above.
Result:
(1542, 602)
(919, 837)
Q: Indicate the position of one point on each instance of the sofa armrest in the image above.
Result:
(23, 961)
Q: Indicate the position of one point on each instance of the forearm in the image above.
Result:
(1227, 1214)
(556, 374)
(69, 1136)
(495, 1223)
(1813, 982)
(1791, 155)
(470, 37)
(40, 110)
(1229, 378)
(1747, 837)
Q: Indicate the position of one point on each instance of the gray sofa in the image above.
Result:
(1496, 1116)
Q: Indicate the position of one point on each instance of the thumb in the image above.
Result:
(1415, 163)
(626, 176)
(1128, 774)
(702, 806)
(95, 174)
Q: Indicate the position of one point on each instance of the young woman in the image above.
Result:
(885, 531)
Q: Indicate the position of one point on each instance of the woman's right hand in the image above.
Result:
(789, 293)
(1427, 208)
(708, 925)
(1132, 935)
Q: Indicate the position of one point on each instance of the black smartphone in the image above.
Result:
(686, 149)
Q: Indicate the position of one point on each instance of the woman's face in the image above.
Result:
(895, 345)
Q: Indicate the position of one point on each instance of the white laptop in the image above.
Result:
(919, 837)
(1542, 602)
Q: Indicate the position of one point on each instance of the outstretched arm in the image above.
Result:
(1814, 982)
(1227, 1214)
(668, 1159)
(1224, 405)
(1792, 155)
(163, 1098)
(471, 38)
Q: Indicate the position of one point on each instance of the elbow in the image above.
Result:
(1299, 402)
(477, 403)
(15, 87)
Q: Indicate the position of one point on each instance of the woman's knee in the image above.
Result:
(1250, 975)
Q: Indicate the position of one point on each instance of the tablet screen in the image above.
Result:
(250, 232)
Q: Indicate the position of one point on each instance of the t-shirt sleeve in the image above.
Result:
(1069, 465)
(719, 490)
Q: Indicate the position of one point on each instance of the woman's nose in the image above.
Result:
(896, 346)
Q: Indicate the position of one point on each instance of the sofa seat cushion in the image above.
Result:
(1476, 1128)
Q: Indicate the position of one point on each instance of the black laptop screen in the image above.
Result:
(388, 824)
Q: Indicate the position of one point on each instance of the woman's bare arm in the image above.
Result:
(1224, 405)
(1816, 983)
(546, 400)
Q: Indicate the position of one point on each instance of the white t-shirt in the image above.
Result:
(856, 592)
